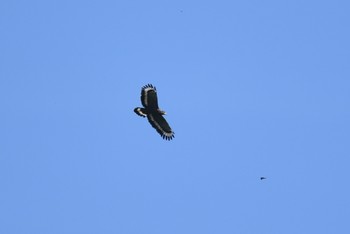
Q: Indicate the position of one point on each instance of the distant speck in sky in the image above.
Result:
(262, 178)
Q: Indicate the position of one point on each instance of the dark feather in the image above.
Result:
(161, 125)
(149, 97)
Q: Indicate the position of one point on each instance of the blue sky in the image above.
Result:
(251, 88)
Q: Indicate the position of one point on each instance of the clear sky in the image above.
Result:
(251, 89)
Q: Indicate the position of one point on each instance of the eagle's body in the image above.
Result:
(151, 110)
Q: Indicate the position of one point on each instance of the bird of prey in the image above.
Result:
(151, 110)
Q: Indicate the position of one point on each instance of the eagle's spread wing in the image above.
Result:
(149, 97)
(161, 125)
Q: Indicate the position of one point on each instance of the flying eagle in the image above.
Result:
(151, 110)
